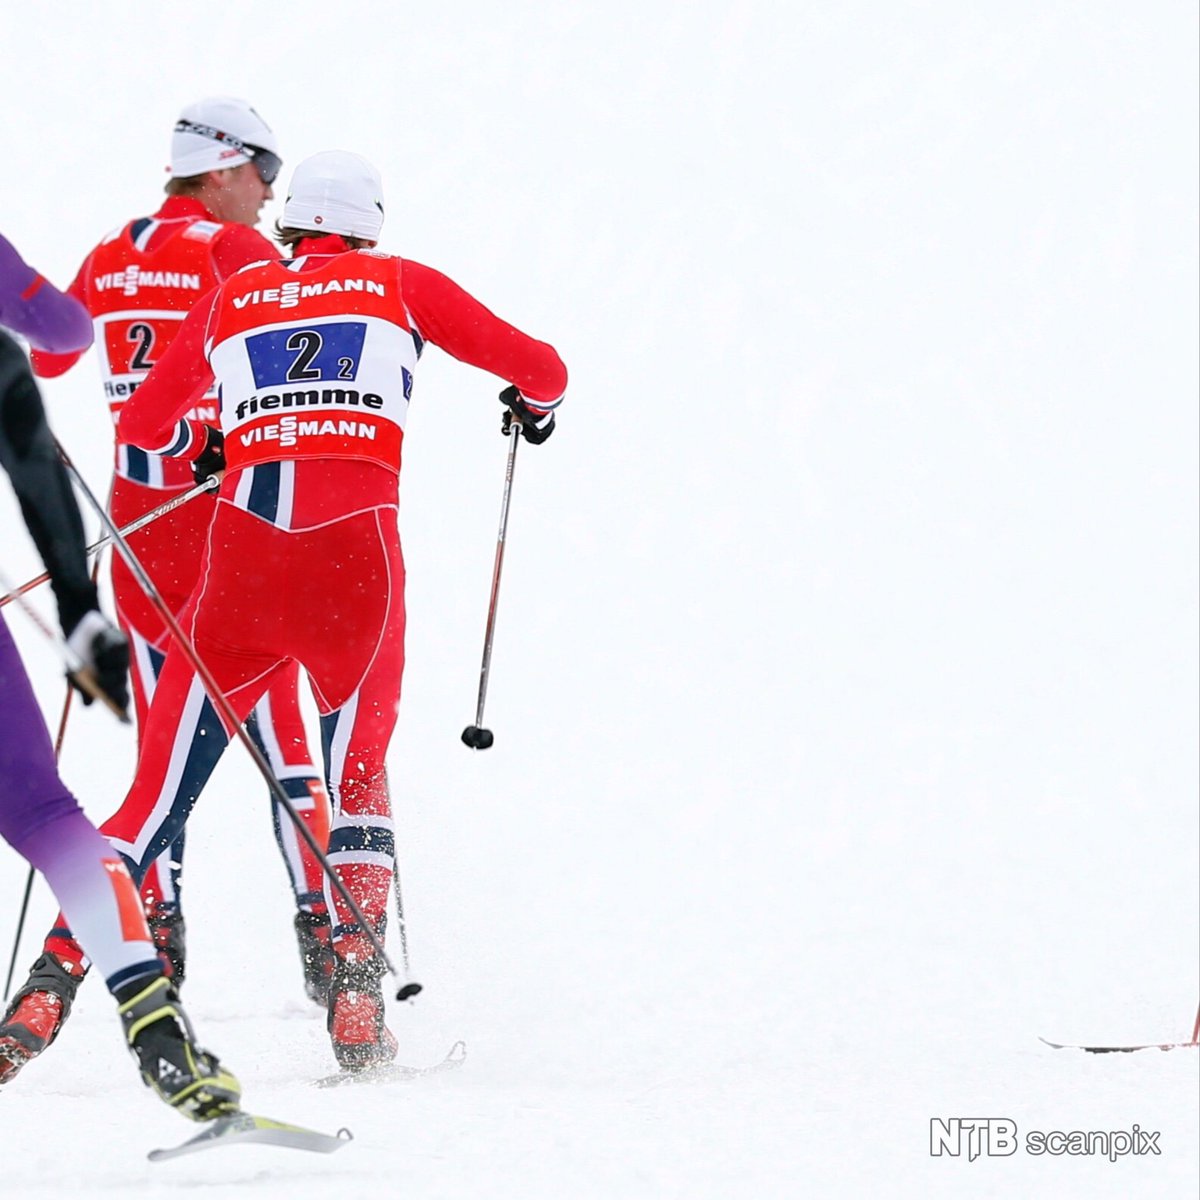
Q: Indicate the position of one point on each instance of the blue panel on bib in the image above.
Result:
(299, 355)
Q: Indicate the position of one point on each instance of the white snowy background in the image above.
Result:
(845, 682)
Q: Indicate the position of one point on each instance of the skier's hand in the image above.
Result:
(536, 426)
(211, 459)
(105, 654)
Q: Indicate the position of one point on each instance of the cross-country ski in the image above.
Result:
(246, 1127)
(395, 1072)
(1119, 1049)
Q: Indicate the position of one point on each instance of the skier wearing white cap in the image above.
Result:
(315, 358)
(138, 284)
(221, 133)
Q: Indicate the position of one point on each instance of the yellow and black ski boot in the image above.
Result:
(160, 1037)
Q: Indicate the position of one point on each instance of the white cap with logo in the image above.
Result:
(335, 192)
(212, 134)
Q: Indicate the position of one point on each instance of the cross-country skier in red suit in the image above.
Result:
(314, 357)
(138, 284)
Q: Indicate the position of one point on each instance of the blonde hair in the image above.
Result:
(185, 185)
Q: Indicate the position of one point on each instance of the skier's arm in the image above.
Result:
(49, 365)
(453, 319)
(37, 310)
(40, 480)
(29, 455)
(153, 417)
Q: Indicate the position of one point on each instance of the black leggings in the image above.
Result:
(28, 454)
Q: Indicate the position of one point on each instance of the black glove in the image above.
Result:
(535, 427)
(211, 460)
(105, 654)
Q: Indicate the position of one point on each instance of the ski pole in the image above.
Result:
(12, 962)
(401, 928)
(476, 736)
(408, 987)
(58, 745)
(145, 519)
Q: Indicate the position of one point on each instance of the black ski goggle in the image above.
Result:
(267, 163)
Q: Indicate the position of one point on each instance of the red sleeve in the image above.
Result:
(238, 246)
(453, 319)
(152, 417)
(47, 365)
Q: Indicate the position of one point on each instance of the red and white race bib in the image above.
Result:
(315, 364)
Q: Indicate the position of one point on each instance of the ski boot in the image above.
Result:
(160, 1037)
(169, 930)
(36, 1014)
(356, 1015)
(316, 954)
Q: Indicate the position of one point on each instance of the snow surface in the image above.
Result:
(845, 683)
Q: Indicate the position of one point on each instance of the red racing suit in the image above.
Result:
(315, 359)
(138, 284)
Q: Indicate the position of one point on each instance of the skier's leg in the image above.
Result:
(164, 876)
(182, 742)
(170, 551)
(277, 727)
(94, 887)
(359, 695)
(41, 820)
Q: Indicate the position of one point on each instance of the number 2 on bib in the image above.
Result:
(308, 354)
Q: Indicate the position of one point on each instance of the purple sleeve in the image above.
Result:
(37, 310)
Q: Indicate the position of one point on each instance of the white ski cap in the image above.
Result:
(210, 136)
(335, 192)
